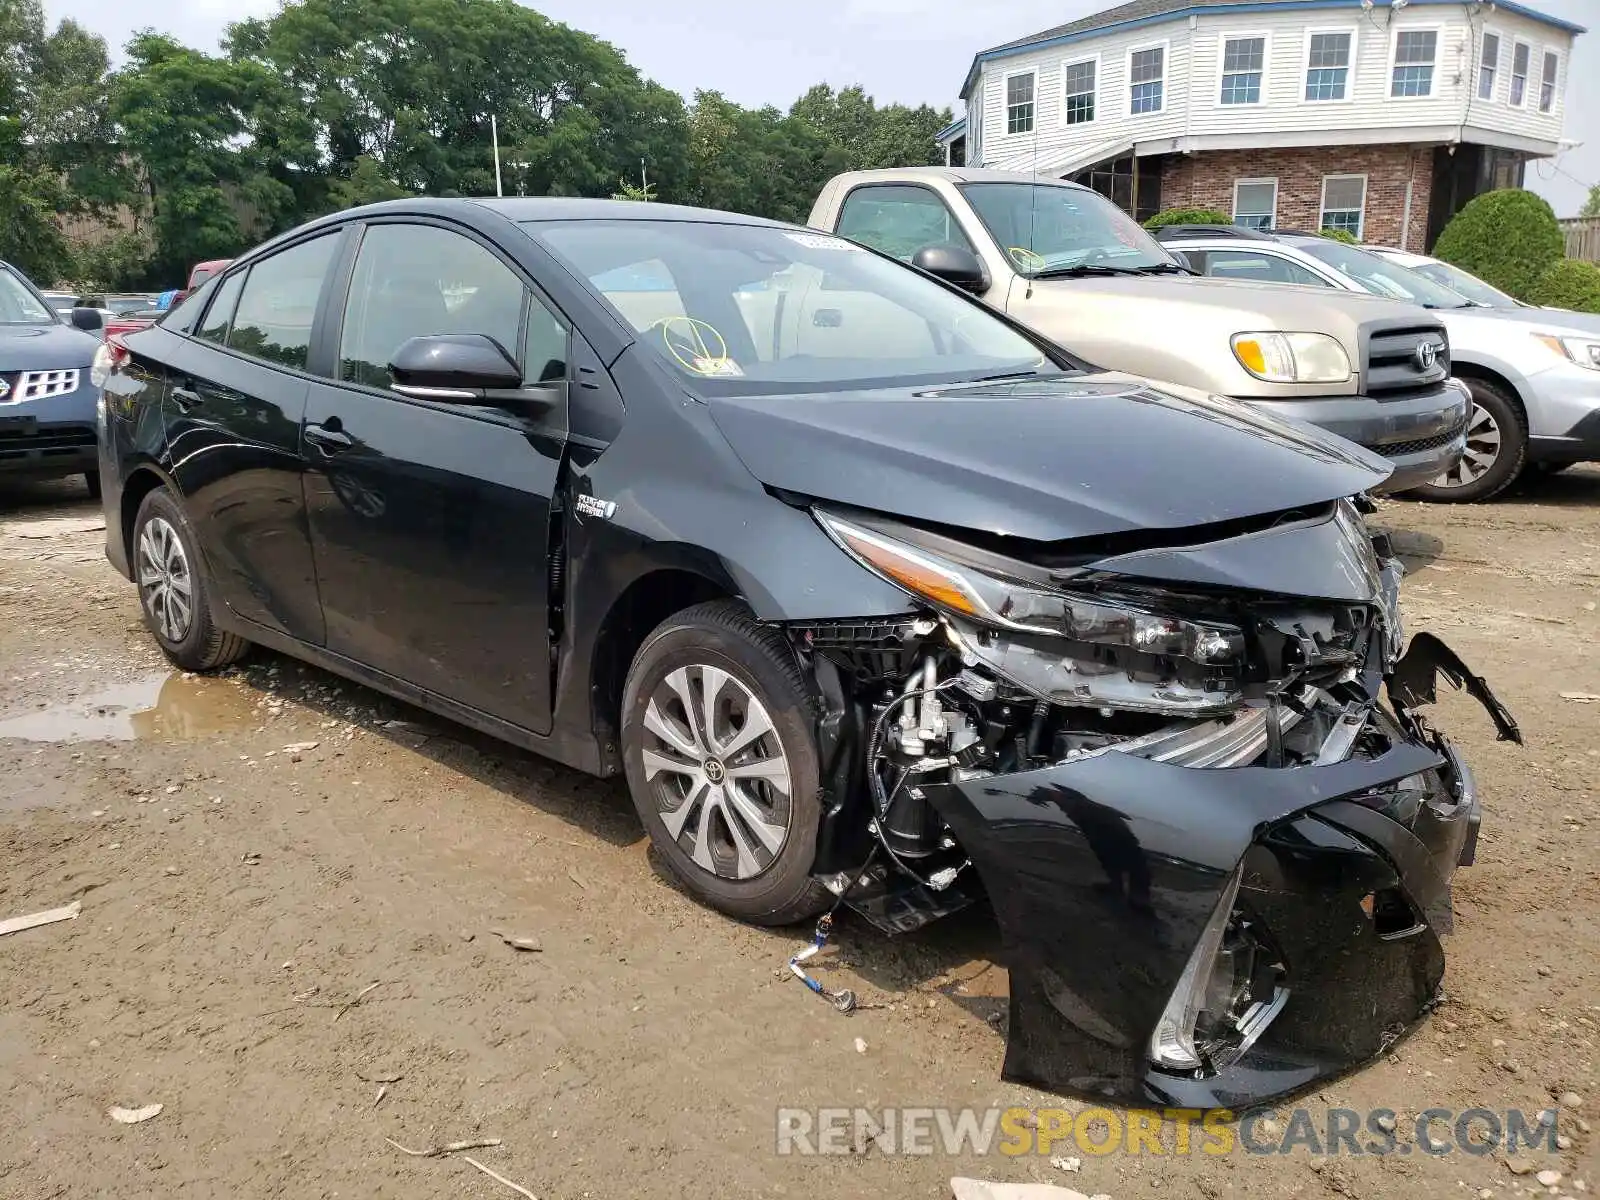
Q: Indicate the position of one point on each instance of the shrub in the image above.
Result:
(1342, 235)
(1569, 283)
(1188, 216)
(1508, 238)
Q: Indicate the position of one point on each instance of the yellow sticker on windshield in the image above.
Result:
(698, 347)
(1026, 259)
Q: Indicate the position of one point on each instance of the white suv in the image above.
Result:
(1534, 373)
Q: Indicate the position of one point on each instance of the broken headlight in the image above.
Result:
(990, 595)
(1229, 992)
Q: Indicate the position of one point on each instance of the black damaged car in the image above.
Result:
(872, 596)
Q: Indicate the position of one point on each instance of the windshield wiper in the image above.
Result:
(1167, 269)
(1006, 375)
(1085, 269)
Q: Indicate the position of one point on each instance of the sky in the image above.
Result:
(910, 51)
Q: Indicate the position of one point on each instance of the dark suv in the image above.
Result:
(47, 401)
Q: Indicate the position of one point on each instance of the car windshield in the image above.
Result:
(1467, 285)
(1381, 277)
(1046, 228)
(18, 304)
(763, 309)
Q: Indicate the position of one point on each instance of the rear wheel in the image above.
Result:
(719, 745)
(1497, 448)
(174, 594)
(91, 480)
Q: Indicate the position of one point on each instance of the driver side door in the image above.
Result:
(430, 519)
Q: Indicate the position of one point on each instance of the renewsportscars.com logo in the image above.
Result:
(1176, 1131)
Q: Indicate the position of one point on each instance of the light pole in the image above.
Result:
(494, 135)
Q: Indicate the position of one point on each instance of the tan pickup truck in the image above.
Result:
(1069, 263)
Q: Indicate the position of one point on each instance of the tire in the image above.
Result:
(712, 814)
(174, 593)
(1495, 423)
(91, 480)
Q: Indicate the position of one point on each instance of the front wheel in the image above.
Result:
(719, 745)
(174, 594)
(1497, 447)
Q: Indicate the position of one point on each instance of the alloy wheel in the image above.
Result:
(718, 771)
(166, 584)
(1483, 447)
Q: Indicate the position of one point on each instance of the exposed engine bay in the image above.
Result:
(1164, 788)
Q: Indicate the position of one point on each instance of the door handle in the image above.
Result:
(329, 438)
(186, 398)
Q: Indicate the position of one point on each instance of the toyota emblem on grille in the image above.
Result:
(1426, 355)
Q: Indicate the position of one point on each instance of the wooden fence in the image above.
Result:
(1583, 237)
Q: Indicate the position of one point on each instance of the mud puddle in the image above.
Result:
(164, 706)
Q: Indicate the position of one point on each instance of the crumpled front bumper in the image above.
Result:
(1104, 871)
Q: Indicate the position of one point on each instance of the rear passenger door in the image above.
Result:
(430, 520)
(234, 403)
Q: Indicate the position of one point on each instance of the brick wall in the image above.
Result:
(1205, 180)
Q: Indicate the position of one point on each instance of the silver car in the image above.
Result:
(1534, 373)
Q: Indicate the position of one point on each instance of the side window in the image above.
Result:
(899, 220)
(1262, 268)
(279, 302)
(416, 280)
(220, 314)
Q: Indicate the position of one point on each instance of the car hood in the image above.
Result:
(1047, 459)
(1548, 320)
(45, 347)
(1270, 308)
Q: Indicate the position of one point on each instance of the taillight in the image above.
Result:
(110, 358)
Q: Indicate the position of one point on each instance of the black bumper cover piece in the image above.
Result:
(1103, 872)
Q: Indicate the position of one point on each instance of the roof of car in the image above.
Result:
(577, 208)
(952, 175)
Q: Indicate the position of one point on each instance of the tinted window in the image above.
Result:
(1381, 277)
(1262, 268)
(415, 280)
(761, 309)
(220, 315)
(279, 303)
(18, 304)
(899, 220)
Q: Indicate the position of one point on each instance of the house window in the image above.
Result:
(1078, 81)
(1520, 53)
(1328, 66)
(1488, 65)
(1146, 72)
(1243, 62)
(1344, 202)
(1019, 103)
(1414, 51)
(1547, 82)
(1255, 203)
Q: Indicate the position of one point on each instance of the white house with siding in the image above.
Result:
(1379, 117)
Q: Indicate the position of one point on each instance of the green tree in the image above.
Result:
(1508, 238)
(1569, 283)
(868, 136)
(366, 184)
(1187, 216)
(58, 153)
(1591, 203)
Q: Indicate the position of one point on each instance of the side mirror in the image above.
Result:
(459, 368)
(956, 265)
(90, 320)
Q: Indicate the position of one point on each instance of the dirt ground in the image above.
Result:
(238, 896)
